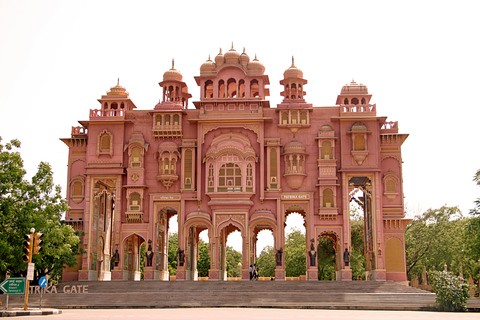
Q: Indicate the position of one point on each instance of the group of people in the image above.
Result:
(253, 272)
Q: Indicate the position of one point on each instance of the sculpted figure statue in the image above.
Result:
(278, 257)
(181, 257)
(149, 254)
(346, 257)
(116, 258)
(312, 254)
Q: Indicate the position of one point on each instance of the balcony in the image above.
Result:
(356, 110)
(101, 114)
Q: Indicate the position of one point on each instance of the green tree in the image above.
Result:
(203, 263)
(172, 253)
(295, 254)
(234, 263)
(38, 204)
(266, 262)
(358, 261)
(436, 238)
(472, 234)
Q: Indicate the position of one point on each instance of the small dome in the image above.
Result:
(354, 88)
(244, 58)
(294, 146)
(232, 56)
(293, 72)
(256, 65)
(172, 74)
(117, 90)
(219, 59)
(208, 66)
(359, 127)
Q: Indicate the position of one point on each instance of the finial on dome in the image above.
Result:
(243, 49)
(118, 81)
(293, 61)
(255, 58)
(232, 46)
(220, 51)
(173, 64)
(209, 58)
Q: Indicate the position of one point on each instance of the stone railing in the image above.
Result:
(390, 125)
(99, 113)
(79, 130)
(358, 108)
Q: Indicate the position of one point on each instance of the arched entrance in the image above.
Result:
(295, 244)
(163, 219)
(361, 206)
(131, 257)
(196, 223)
(327, 251)
(263, 251)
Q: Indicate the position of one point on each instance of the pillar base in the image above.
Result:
(213, 275)
(344, 275)
(279, 274)
(117, 275)
(376, 275)
(312, 274)
(107, 276)
(150, 274)
(181, 274)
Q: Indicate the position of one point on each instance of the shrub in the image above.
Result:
(452, 294)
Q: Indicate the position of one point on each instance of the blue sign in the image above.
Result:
(42, 282)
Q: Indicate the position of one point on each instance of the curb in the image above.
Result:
(30, 312)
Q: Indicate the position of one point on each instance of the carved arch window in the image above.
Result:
(105, 143)
(254, 88)
(208, 89)
(328, 198)
(273, 183)
(294, 117)
(136, 157)
(221, 89)
(354, 101)
(241, 88)
(284, 117)
(304, 117)
(77, 187)
(391, 185)
(231, 88)
(327, 150)
(359, 143)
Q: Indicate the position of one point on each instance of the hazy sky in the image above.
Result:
(419, 59)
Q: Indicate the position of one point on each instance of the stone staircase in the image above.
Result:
(252, 294)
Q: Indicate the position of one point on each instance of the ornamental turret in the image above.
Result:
(175, 91)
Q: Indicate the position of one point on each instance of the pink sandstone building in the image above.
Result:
(233, 162)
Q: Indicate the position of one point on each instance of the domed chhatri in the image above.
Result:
(172, 74)
(231, 161)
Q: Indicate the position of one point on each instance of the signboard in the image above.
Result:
(13, 286)
(30, 271)
(42, 282)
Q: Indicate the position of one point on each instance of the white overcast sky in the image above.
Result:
(419, 59)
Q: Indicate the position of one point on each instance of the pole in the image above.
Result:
(32, 237)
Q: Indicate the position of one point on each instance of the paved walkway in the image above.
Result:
(251, 314)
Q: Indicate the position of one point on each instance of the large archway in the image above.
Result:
(327, 259)
(131, 257)
(295, 243)
(362, 253)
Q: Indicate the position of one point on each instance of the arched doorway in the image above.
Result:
(295, 243)
(197, 231)
(361, 211)
(131, 257)
(327, 252)
(165, 217)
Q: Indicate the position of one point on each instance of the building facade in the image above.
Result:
(233, 162)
